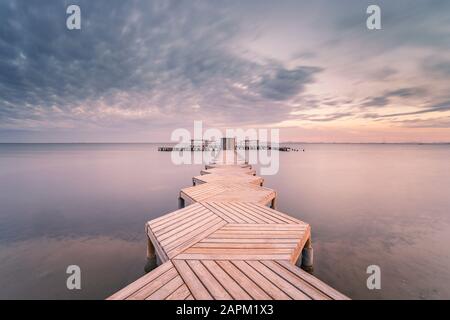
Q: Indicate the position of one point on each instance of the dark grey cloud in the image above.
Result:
(405, 23)
(385, 99)
(172, 55)
(327, 117)
(438, 107)
(283, 84)
(160, 64)
(435, 66)
(442, 122)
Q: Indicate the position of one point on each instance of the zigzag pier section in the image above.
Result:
(228, 242)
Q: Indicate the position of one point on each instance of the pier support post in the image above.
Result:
(181, 203)
(273, 204)
(307, 258)
(151, 257)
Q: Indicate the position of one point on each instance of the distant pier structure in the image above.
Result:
(226, 143)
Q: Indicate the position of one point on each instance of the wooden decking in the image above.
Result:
(180, 279)
(228, 192)
(227, 244)
(223, 178)
(229, 231)
(229, 170)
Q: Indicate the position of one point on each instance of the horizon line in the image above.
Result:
(169, 142)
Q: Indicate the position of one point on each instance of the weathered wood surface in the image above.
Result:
(228, 231)
(229, 170)
(228, 192)
(227, 279)
(228, 158)
(227, 244)
(227, 179)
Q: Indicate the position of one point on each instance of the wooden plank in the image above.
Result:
(231, 286)
(313, 281)
(199, 256)
(253, 290)
(244, 217)
(296, 281)
(223, 170)
(141, 282)
(173, 223)
(293, 233)
(195, 237)
(214, 207)
(195, 286)
(168, 216)
(154, 285)
(240, 251)
(187, 231)
(166, 290)
(243, 240)
(225, 178)
(208, 280)
(247, 246)
(266, 226)
(268, 287)
(301, 243)
(281, 283)
(186, 225)
(225, 217)
(251, 216)
(225, 235)
(162, 254)
(261, 213)
(180, 294)
(275, 213)
(262, 197)
(262, 218)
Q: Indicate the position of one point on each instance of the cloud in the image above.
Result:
(150, 65)
(385, 99)
(442, 122)
(383, 73)
(283, 84)
(435, 66)
(144, 62)
(326, 117)
(438, 107)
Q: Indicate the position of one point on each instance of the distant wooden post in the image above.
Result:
(246, 144)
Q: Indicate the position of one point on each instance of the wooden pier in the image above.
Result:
(221, 178)
(226, 243)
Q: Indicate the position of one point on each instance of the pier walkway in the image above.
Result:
(227, 244)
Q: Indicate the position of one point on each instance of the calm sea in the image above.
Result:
(86, 205)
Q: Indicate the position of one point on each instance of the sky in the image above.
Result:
(137, 70)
